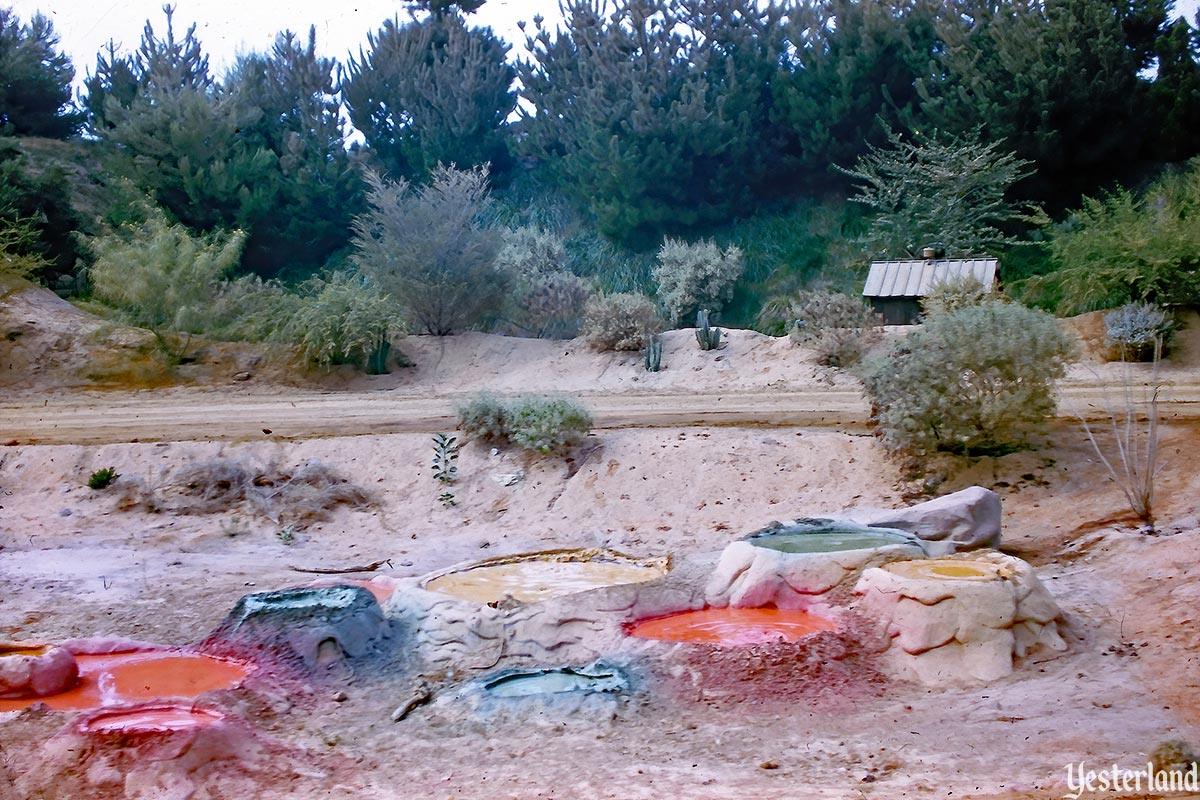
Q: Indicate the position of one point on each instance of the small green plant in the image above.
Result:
(102, 478)
(342, 319)
(447, 499)
(621, 321)
(445, 458)
(286, 535)
(708, 337)
(547, 425)
(484, 417)
(540, 424)
(652, 355)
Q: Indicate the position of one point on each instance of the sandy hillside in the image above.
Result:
(79, 562)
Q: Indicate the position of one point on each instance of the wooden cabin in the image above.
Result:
(895, 288)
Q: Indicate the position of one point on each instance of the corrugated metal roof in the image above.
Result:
(913, 278)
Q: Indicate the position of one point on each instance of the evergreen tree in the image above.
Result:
(179, 138)
(429, 92)
(1175, 94)
(850, 76)
(290, 95)
(938, 188)
(655, 118)
(35, 80)
(36, 212)
(1057, 80)
(116, 76)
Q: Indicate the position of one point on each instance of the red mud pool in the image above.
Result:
(123, 678)
(732, 627)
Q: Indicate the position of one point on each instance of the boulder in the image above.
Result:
(960, 620)
(751, 574)
(965, 520)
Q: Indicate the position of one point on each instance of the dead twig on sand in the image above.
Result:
(374, 565)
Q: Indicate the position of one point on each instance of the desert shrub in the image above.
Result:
(543, 425)
(430, 248)
(483, 417)
(529, 250)
(162, 276)
(951, 295)
(341, 319)
(976, 380)
(1137, 331)
(695, 276)
(839, 328)
(622, 321)
(547, 300)
(546, 425)
(296, 497)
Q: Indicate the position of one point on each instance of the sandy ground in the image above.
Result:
(74, 564)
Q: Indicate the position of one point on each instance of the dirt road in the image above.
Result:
(100, 418)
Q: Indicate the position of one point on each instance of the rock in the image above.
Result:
(960, 620)
(36, 670)
(508, 478)
(965, 520)
(242, 376)
(749, 575)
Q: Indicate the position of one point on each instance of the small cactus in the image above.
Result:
(708, 337)
(652, 355)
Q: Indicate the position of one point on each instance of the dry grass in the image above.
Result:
(293, 497)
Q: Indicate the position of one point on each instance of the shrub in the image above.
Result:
(484, 417)
(102, 478)
(539, 424)
(1137, 331)
(1121, 248)
(694, 276)
(531, 251)
(951, 295)
(295, 497)
(341, 319)
(620, 321)
(163, 277)
(547, 425)
(430, 249)
(976, 380)
(839, 328)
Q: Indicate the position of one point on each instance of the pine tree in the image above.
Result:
(1175, 94)
(35, 80)
(430, 92)
(850, 76)
(655, 117)
(1057, 81)
(289, 93)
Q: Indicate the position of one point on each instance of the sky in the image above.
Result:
(227, 28)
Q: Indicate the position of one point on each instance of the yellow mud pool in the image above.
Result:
(949, 569)
(542, 577)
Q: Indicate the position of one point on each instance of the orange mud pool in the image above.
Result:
(122, 678)
(733, 627)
